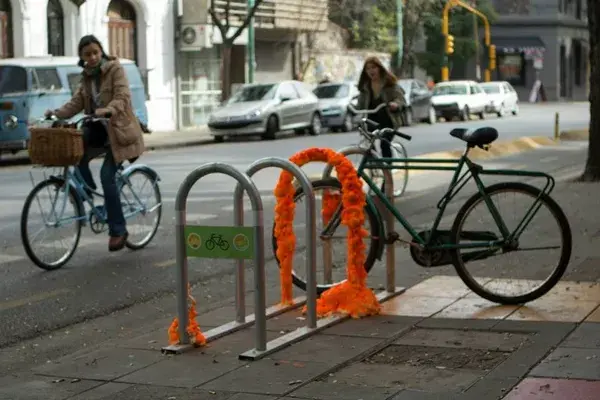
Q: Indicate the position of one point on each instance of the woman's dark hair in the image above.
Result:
(387, 77)
(86, 41)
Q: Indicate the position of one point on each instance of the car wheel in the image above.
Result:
(431, 116)
(408, 117)
(315, 125)
(465, 114)
(515, 110)
(502, 111)
(348, 123)
(219, 139)
(481, 115)
(272, 128)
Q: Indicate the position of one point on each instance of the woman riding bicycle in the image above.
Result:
(379, 86)
(104, 92)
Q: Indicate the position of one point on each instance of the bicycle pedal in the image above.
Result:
(392, 237)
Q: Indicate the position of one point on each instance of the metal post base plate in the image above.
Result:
(234, 326)
(305, 332)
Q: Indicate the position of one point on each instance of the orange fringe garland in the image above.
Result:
(193, 329)
(351, 297)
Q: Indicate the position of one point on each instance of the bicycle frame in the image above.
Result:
(459, 179)
(73, 179)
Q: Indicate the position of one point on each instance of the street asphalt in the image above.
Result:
(96, 283)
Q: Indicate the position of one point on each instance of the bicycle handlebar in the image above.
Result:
(375, 124)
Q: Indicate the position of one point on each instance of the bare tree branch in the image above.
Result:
(227, 10)
(249, 17)
(215, 19)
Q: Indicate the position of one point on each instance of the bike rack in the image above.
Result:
(391, 290)
(312, 325)
(260, 313)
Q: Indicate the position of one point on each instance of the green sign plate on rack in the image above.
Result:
(235, 242)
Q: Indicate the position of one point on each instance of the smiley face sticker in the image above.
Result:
(194, 241)
(241, 242)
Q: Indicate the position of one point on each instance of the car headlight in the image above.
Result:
(11, 122)
(254, 114)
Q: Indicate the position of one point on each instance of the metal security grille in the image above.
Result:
(56, 32)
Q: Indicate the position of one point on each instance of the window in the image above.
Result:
(12, 80)
(511, 68)
(56, 37)
(302, 90)
(287, 91)
(74, 81)
(46, 79)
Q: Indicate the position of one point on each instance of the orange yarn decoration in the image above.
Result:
(351, 297)
(193, 329)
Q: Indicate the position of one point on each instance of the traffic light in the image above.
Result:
(449, 44)
(492, 55)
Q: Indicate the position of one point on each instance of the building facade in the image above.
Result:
(278, 27)
(544, 40)
(141, 30)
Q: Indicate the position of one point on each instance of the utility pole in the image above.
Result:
(251, 44)
(399, 19)
(477, 44)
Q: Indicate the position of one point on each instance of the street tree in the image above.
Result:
(461, 26)
(222, 18)
(373, 25)
(592, 166)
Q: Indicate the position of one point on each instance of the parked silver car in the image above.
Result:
(334, 99)
(265, 109)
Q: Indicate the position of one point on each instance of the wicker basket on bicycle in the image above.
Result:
(58, 146)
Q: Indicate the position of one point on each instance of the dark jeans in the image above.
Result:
(108, 172)
(386, 151)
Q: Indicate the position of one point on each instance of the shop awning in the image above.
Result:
(518, 44)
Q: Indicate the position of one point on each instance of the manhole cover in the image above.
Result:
(438, 357)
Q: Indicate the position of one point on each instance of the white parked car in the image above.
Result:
(502, 98)
(459, 99)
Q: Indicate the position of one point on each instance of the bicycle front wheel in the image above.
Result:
(59, 220)
(332, 250)
(142, 207)
(531, 264)
(400, 175)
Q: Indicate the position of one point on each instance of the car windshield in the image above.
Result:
(12, 80)
(405, 85)
(444, 90)
(254, 93)
(331, 91)
(489, 89)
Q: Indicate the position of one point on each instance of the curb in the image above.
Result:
(575, 135)
(179, 144)
(497, 149)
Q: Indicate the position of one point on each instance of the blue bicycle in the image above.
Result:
(67, 195)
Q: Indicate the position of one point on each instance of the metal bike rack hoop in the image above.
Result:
(180, 250)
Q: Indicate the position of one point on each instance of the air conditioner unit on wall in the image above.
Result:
(194, 37)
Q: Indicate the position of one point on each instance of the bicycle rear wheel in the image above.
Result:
(142, 203)
(545, 242)
(338, 242)
(56, 212)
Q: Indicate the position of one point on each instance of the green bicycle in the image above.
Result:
(472, 243)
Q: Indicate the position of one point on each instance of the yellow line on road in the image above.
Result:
(165, 264)
(8, 305)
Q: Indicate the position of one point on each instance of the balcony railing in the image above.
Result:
(309, 15)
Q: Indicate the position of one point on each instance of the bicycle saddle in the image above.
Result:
(476, 137)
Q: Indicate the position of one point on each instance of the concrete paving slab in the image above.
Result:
(328, 349)
(499, 341)
(110, 390)
(47, 388)
(554, 389)
(141, 392)
(335, 391)
(573, 363)
(586, 335)
(377, 326)
(268, 377)
(102, 364)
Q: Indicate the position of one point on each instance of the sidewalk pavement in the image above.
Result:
(435, 341)
(175, 139)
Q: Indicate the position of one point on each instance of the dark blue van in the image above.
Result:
(29, 86)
